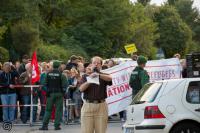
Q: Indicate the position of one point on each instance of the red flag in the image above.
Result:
(35, 69)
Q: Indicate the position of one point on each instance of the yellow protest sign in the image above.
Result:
(131, 48)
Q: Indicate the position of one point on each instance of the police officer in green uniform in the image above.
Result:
(55, 82)
(139, 76)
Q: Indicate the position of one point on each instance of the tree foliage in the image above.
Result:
(102, 25)
(190, 15)
(24, 37)
(175, 35)
(2, 31)
(52, 52)
(98, 27)
(91, 27)
(144, 30)
(4, 55)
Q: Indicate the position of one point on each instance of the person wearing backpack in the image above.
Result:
(139, 77)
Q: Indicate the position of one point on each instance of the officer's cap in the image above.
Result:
(141, 60)
(56, 64)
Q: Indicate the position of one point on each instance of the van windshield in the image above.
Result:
(147, 94)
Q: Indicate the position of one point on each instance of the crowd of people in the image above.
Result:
(14, 96)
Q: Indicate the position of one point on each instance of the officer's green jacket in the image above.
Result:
(55, 82)
(63, 84)
(139, 77)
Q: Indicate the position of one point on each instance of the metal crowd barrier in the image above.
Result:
(67, 104)
(31, 104)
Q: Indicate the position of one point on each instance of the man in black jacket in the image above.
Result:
(8, 91)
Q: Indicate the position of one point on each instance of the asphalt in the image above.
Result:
(114, 125)
(75, 128)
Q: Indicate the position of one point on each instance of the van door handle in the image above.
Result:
(198, 110)
(132, 110)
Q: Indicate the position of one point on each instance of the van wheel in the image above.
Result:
(186, 128)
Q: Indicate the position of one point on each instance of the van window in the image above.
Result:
(193, 92)
(147, 94)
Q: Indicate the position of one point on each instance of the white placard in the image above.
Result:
(120, 93)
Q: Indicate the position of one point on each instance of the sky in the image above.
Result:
(159, 2)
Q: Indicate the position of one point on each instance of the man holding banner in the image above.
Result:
(139, 76)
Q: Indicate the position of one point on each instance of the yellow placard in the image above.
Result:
(131, 48)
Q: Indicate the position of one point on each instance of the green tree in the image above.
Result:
(12, 11)
(2, 31)
(144, 30)
(84, 27)
(24, 37)
(47, 52)
(101, 27)
(4, 55)
(190, 15)
(11, 14)
(175, 35)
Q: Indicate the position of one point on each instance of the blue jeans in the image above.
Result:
(8, 112)
(26, 101)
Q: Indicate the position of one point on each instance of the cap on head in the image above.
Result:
(141, 60)
(56, 64)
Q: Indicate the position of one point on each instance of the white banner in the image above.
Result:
(120, 93)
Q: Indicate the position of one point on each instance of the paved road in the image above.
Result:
(112, 128)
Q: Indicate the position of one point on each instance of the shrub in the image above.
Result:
(4, 55)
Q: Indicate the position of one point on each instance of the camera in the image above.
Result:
(193, 65)
(96, 70)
